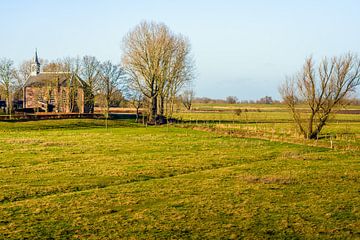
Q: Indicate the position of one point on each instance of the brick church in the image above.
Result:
(61, 92)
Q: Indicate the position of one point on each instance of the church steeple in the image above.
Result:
(35, 66)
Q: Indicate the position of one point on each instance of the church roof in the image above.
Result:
(52, 78)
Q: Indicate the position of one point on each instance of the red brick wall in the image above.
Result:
(32, 98)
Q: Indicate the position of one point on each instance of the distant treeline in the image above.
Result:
(263, 100)
(234, 100)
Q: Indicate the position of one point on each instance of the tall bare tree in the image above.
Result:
(7, 81)
(70, 67)
(322, 89)
(157, 61)
(22, 74)
(89, 72)
(111, 79)
(180, 74)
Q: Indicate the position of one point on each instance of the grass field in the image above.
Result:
(74, 179)
(272, 122)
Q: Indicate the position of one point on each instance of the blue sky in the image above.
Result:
(241, 48)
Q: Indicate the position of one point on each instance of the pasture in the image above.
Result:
(273, 122)
(215, 177)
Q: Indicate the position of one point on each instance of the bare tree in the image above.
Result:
(22, 74)
(90, 74)
(136, 99)
(157, 62)
(72, 64)
(54, 66)
(178, 73)
(187, 98)
(265, 100)
(111, 78)
(7, 81)
(231, 99)
(2, 91)
(69, 67)
(321, 89)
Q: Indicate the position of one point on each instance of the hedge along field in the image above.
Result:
(76, 179)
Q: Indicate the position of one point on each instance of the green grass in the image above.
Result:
(260, 116)
(269, 107)
(272, 122)
(74, 179)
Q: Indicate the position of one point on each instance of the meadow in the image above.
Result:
(272, 122)
(211, 177)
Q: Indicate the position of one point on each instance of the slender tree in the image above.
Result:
(89, 72)
(7, 81)
(322, 89)
(70, 67)
(22, 74)
(111, 79)
(136, 99)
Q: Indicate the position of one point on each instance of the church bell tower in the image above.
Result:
(35, 66)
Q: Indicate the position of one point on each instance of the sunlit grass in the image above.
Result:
(275, 123)
(76, 179)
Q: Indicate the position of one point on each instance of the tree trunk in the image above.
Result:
(137, 114)
(310, 125)
(8, 100)
(108, 98)
(298, 122)
(314, 134)
(89, 101)
(8, 104)
(171, 111)
(92, 105)
(161, 110)
(153, 111)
